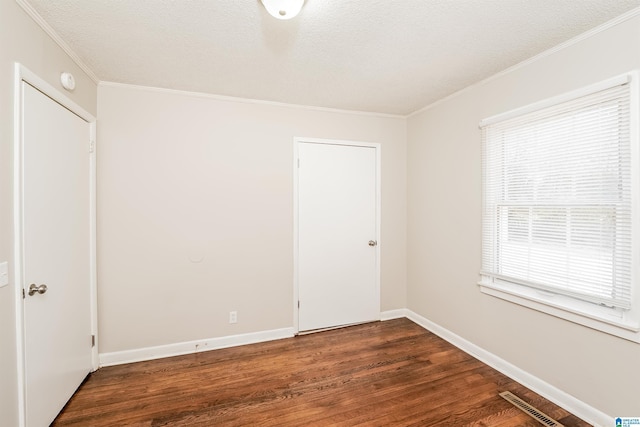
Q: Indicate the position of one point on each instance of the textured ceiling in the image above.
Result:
(367, 55)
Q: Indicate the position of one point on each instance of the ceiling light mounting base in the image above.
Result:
(283, 9)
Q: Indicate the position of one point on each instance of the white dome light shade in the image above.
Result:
(283, 9)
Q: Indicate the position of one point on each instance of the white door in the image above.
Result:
(56, 242)
(337, 242)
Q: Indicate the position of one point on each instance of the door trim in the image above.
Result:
(22, 74)
(296, 143)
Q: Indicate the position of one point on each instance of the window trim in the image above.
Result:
(621, 323)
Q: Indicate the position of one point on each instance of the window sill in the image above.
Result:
(605, 319)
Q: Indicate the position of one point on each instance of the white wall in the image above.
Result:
(21, 40)
(444, 229)
(182, 178)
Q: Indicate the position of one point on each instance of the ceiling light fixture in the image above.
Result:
(283, 9)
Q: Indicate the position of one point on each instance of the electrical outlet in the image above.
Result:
(233, 317)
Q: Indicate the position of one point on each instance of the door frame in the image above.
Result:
(296, 144)
(22, 74)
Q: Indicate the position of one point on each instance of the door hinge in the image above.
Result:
(92, 146)
(23, 294)
(93, 340)
(298, 303)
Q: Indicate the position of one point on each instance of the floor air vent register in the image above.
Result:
(541, 417)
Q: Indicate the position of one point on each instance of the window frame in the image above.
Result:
(615, 321)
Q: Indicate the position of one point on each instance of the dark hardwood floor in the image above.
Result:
(391, 373)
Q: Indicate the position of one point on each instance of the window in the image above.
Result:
(560, 185)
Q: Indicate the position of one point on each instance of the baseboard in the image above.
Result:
(189, 347)
(178, 349)
(394, 314)
(553, 394)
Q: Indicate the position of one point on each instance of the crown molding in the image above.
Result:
(67, 49)
(33, 14)
(227, 98)
(572, 41)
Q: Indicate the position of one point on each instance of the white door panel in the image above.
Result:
(56, 241)
(337, 268)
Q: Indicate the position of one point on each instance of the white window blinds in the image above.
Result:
(557, 199)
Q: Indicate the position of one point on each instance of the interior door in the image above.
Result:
(337, 254)
(56, 242)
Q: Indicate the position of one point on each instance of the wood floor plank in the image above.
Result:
(391, 373)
